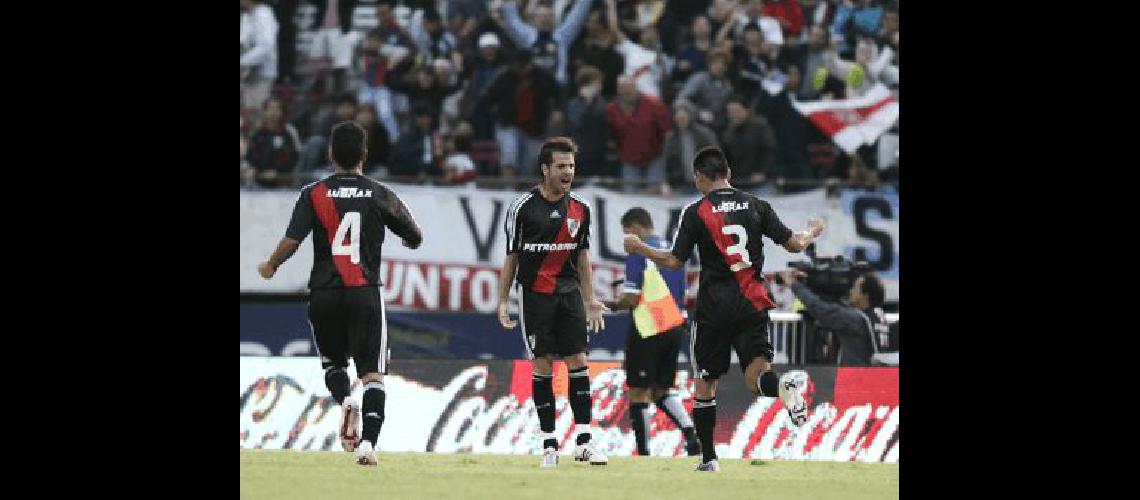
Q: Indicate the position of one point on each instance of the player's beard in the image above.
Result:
(556, 186)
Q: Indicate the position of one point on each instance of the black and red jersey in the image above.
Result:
(726, 225)
(347, 214)
(548, 236)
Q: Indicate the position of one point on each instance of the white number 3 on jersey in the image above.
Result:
(349, 225)
(739, 248)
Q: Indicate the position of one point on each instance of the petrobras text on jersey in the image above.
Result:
(549, 247)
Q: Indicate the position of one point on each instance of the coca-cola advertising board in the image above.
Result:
(458, 406)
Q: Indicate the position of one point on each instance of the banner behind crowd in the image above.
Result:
(456, 269)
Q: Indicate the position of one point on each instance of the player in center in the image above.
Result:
(548, 241)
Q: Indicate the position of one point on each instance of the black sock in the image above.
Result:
(337, 382)
(373, 409)
(543, 388)
(704, 419)
(639, 416)
(580, 401)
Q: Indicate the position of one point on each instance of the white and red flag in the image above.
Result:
(854, 122)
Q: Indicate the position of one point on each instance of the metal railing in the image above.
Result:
(789, 337)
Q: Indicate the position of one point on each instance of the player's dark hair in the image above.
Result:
(430, 14)
(637, 215)
(873, 287)
(711, 162)
(555, 145)
(348, 141)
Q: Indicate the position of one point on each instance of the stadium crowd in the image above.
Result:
(451, 91)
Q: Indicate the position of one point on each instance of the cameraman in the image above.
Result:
(858, 325)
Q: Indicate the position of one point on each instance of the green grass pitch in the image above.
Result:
(281, 475)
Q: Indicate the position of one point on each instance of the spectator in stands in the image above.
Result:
(258, 54)
(458, 167)
(639, 123)
(645, 62)
(274, 147)
(862, 74)
(789, 127)
(888, 26)
(427, 84)
(749, 144)
(395, 46)
(682, 143)
(285, 11)
(377, 141)
(751, 14)
(596, 49)
(811, 58)
(722, 13)
(522, 98)
(416, 151)
(708, 91)
(435, 42)
(486, 66)
(316, 146)
(818, 13)
(373, 69)
(755, 68)
(788, 14)
(693, 56)
(853, 19)
(586, 119)
(334, 40)
(549, 45)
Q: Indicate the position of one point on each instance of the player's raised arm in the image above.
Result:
(663, 258)
(800, 240)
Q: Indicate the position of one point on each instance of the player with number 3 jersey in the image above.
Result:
(728, 226)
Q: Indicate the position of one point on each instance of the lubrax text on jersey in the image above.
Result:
(730, 206)
(349, 192)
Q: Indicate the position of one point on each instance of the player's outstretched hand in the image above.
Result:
(632, 243)
(815, 225)
(505, 317)
(594, 320)
(266, 270)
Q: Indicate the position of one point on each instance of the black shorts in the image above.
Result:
(710, 344)
(652, 362)
(553, 324)
(350, 322)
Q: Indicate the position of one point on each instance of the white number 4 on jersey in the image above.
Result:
(349, 225)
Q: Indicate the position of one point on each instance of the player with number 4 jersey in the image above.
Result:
(728, 226)
(348, 213)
